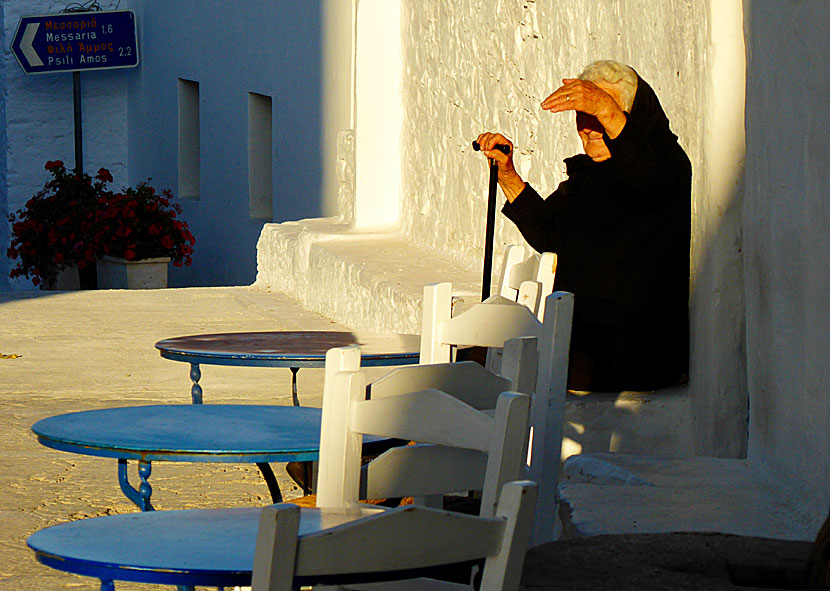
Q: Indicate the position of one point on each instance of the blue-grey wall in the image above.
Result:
(4, 194)
(230, 48)
(37, 122)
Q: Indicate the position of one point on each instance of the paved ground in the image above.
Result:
(94, 349)
(666, 562)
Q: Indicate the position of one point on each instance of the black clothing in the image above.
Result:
(621, 230)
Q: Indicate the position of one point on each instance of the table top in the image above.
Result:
(150, 547)
(188, 433)
(289, 348)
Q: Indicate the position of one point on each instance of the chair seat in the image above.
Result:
(188, 547)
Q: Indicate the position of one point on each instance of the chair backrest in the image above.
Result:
(399, 540)
(490, 325)
(527, 277)
(483, 324)
(430, 417)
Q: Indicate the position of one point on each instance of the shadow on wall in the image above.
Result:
(232, 77)
(4, 193)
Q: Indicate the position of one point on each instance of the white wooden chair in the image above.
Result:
(463, 438)
(511, 326)
(395, 543)
(491, 325)
(527, 277)
(452, 435)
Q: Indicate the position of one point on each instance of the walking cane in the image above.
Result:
(491, 219)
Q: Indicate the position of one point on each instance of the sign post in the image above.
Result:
(74, 42)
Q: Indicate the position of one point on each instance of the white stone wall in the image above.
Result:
(787, 247)
(478, 65)
(39, 120)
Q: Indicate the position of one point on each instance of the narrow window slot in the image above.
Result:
(189, 137)
(260, 167)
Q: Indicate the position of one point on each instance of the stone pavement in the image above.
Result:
(666, 562)
(94, 349)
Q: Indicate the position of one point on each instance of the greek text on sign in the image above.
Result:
(74, 41)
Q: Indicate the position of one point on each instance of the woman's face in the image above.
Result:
(590, 130)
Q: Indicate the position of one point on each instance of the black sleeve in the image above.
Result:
(535, 217)
(650, 166)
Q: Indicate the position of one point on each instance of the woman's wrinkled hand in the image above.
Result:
(488, 142)
(586, 97)
(509, 180)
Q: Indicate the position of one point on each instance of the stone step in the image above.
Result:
(613, 493)
(367, 280)
(631, 422)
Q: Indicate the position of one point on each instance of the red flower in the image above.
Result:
(75, 219)
(104, 175)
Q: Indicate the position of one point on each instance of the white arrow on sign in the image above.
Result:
(26, 45)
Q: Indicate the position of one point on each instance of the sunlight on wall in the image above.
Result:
(379, 114)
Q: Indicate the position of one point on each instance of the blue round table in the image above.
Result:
(210, 547)
(230, 433)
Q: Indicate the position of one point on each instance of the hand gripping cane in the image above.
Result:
(491, 219)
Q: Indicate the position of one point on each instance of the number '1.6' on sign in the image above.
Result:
(76, 41)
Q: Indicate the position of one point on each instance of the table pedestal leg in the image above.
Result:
(195, 389)
(271, 481)
(107, 585)
(140, 497)
(294, 397)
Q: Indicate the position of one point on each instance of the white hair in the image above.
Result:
(618, 75)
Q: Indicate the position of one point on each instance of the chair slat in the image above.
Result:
(467, 380)
(429, 470)
(490, 325)
(395, 540)
(429, 416)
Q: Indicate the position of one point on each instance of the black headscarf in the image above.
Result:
(647, 113)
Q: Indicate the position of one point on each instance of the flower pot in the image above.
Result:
(72, 278)
(66, 280)
(115, 273)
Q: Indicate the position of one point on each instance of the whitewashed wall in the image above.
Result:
(478, 65)
(787, 247)
(39, 122)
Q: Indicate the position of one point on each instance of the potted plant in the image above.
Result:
(54, 231)
(76, 221)
(138, 233)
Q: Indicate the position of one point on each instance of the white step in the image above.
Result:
(608, 493)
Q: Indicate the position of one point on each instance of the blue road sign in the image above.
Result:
(75, 41)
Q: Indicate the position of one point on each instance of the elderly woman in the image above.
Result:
(620, 224)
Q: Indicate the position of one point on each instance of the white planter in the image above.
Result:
(115, 273)
(66, 280)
